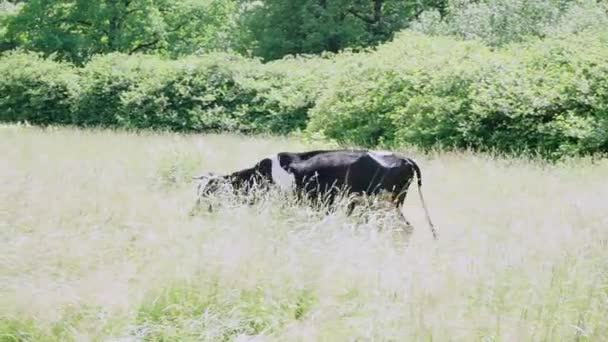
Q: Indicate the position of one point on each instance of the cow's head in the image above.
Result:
(209, 183)
(240, 181)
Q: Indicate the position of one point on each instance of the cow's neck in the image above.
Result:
(242, 177)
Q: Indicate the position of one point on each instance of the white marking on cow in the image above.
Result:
(282, 178)
(379, 156)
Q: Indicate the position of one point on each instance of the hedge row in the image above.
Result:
(216, 92)
(36, 90)
(548, 96)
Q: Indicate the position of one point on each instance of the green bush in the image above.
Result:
(218, 92)
(36, 90)
(295, 86)
(193, 94)
(543, 96)
(500, 22)
(553, 99)
(548, 97)
(409, 91)
(355, 109)
(105, 80)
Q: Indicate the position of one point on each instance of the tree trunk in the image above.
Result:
(376, 26)
(378, 11)
(117, 11)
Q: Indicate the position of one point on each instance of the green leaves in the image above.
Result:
(501, 22)
(36, 90)
(548, 97)
(77, 29)
(215, 92)
(281, 27)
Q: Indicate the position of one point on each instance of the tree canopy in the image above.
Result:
(78, 29)
(280, 27)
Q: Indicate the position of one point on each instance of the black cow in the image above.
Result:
(325, 174)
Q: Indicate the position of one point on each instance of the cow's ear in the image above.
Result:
(265, 166)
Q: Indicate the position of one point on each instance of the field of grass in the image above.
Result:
(98, 242)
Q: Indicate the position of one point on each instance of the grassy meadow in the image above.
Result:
(98, 243)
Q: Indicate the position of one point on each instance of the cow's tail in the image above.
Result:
(426, 210)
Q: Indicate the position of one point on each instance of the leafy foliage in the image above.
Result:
(282, 27)
(78, 29)
(541, 95)
(548, 97)
(214, 92)
(104, 81)
(7, 11)
(34, 89)
(499, 22)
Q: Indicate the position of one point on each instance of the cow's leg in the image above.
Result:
(323, 197)
(400, 211)
(355, 200)
(329, 199)
(360, 200)
(398, 199)
(196, 208)
(309, 190)
(350, 208)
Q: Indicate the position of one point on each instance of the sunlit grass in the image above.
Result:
(99, 241)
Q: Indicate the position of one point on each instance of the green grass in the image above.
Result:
(98, 243)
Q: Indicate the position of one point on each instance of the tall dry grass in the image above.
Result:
(98, 243)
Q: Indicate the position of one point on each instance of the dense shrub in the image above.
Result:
(549, 96)
(34, 89)
(554, 99)
(355, 109)
(8, 11)
(499, 22)
(578, 16)
(409, 91)
(193, 94)
(104, 82)
(216, 92)
(213, 92)
(292, 87)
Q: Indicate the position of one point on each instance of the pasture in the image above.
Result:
(98, 242)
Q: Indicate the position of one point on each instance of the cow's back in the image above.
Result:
(374, 172)
(329, 162)
(361, 171)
